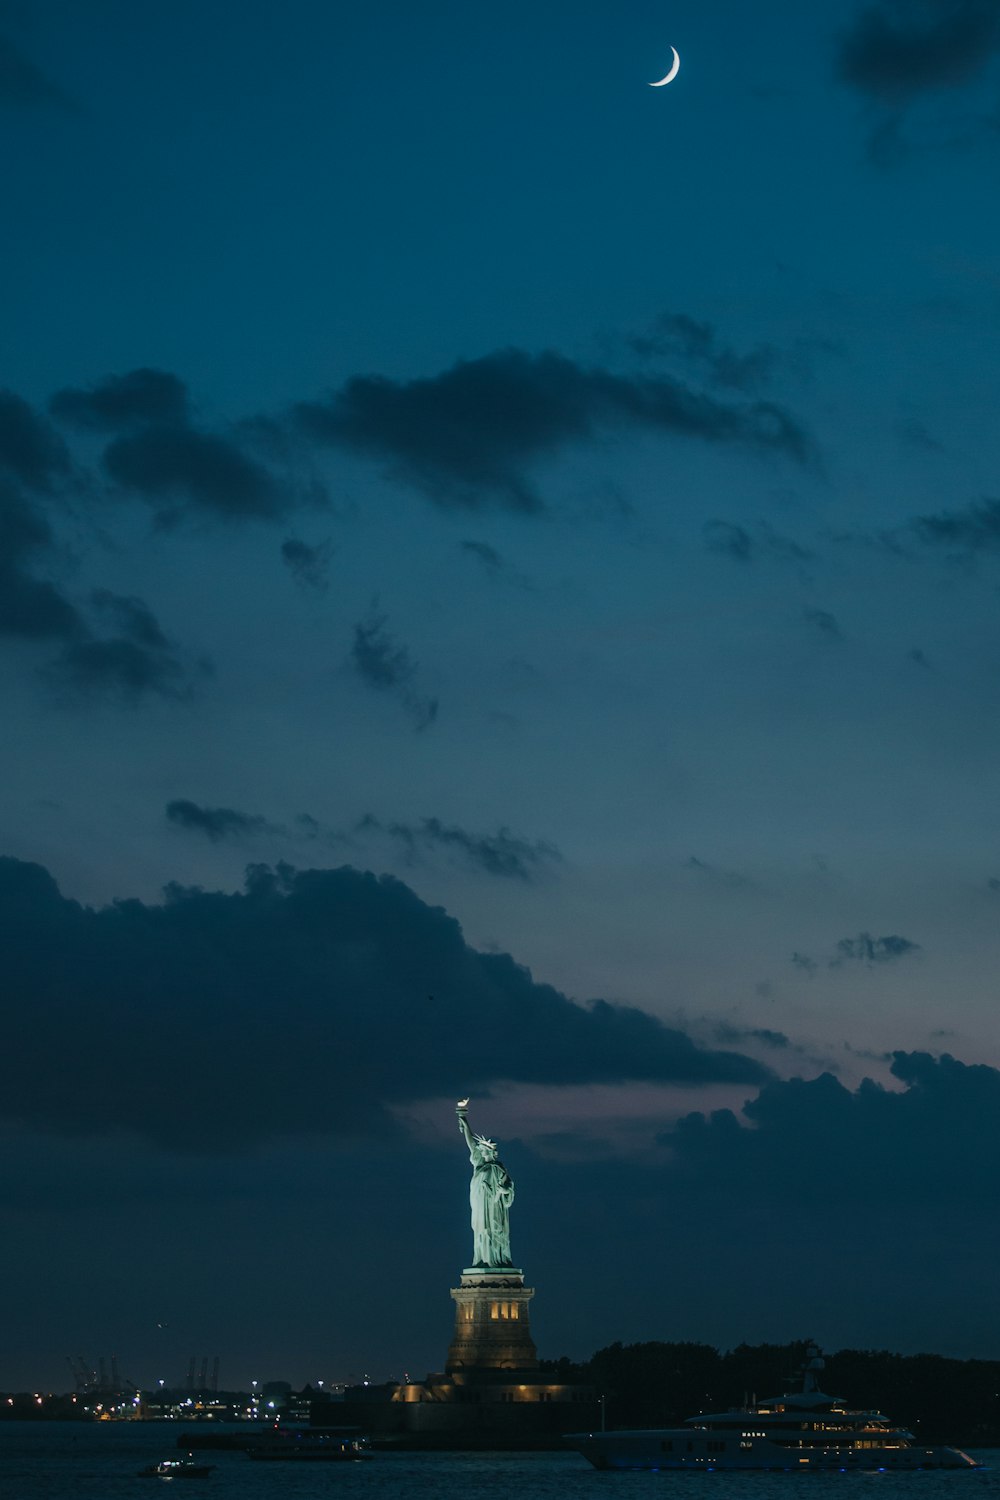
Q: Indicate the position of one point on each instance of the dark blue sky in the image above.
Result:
(562, 516)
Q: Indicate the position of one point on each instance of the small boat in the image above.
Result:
(176, 1468)
(330, 1444)
(799, 1431)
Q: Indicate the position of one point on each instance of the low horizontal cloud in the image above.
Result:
(468, 437)
(732, 1036)
(872, 952)
(716, 874)
(865, 949)
(217, 823)
(502, 853)
(303, 992)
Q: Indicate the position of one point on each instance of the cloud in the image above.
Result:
(488, 556)
(736, 541)
(697, 344)
(22, 82)
(31, 451)
(732, 1036)
(384, 665)
(824, 622)
(724, 536)
(116, 668)
(137, 661)
(309, 566)
(716, 874)
(975, 528)
(180, 471)
(119, 402)
(468, 436)
(896, 50)
(157, 452)
(870, 950)
(303, 993)
(502, 853)
(938, 1138)
(132, 617)
(217, 823)
(30, 608)
(863, 949)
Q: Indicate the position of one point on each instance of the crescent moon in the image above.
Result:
(671, 75)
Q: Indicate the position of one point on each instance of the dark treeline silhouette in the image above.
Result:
(658, 1385)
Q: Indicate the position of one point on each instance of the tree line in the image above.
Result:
(940, 1400)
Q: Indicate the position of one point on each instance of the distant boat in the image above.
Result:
(176, 1468)
(802, 1430)
(330, 1444)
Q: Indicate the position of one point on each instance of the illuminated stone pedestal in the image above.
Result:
(491, 1394)
(492, 1327)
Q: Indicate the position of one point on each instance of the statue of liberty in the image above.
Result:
(491, 1193)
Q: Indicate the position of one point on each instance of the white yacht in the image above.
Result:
(800, 1431)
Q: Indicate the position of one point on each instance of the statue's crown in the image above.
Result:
(485, 1141)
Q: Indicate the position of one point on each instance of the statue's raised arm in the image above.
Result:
(491, 1193)
(461, 1109)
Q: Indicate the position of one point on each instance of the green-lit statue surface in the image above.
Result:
(491, 1193)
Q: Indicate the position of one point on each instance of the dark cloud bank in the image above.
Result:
(307, 993)
(938, 1137)
(469, 435)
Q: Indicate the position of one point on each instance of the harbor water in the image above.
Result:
(100, 1461)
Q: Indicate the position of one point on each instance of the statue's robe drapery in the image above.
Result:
(491, 1192)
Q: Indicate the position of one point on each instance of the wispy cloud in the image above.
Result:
(216, 823)
(308, 565)
(869, 951)
(388, 666)
(503, 853)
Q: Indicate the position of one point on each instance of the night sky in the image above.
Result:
(499, 595)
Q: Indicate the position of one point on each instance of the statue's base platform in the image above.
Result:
(492, 1276)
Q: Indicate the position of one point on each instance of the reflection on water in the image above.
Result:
(77, 1461)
